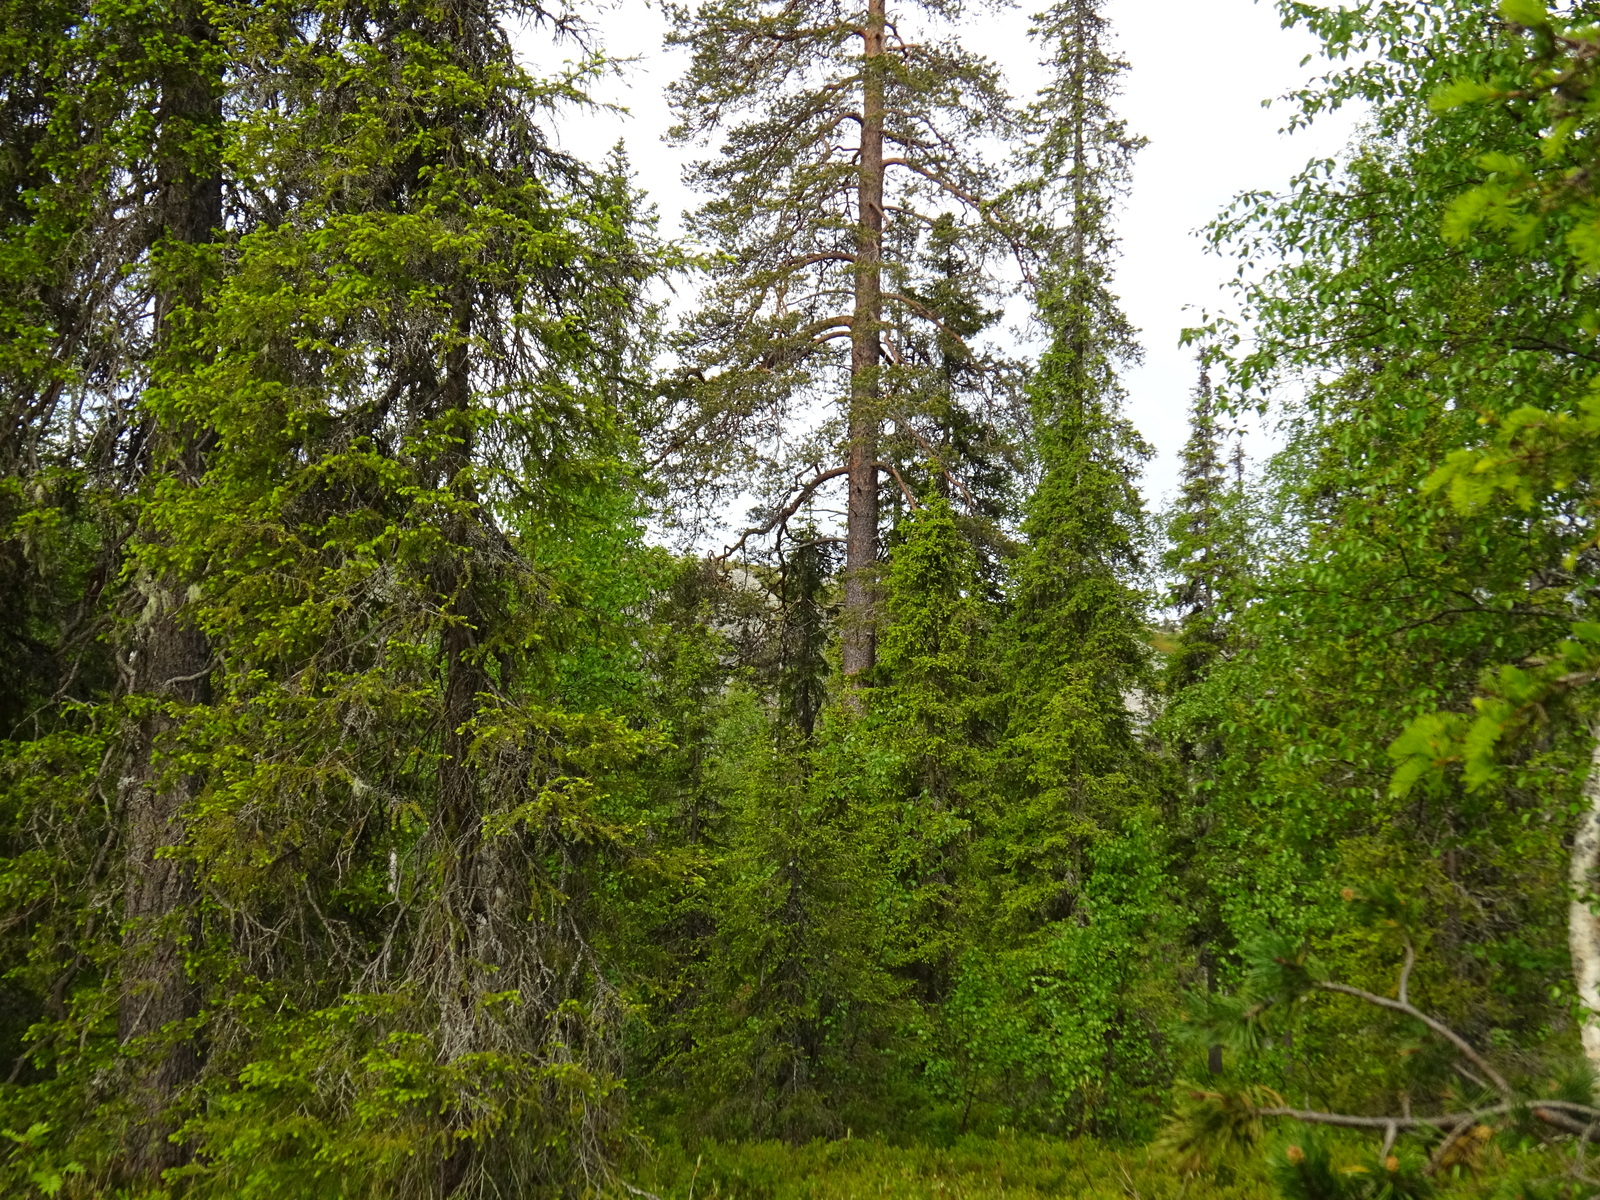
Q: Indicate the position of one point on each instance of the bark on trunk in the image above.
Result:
(469, 951)
(170, 661)
(1583, 926)
(460, 815)
(1208, 964)
(159, 900)
(861, 522)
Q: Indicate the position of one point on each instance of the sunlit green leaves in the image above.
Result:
(1459, 92)
(1531, 13)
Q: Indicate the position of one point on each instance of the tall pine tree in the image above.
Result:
(853, 223)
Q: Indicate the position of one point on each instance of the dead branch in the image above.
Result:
(806, 260)
(933, 459)
(1389, 1134)
(782, 516)
(1579, 1119)
(1313, 1116)
(927, 314)
(904, 490)
(1433, 1023)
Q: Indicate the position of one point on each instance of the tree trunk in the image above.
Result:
(170, 658)
(1583, 926)
(460, 817)
(1208, 964)
(159, 909)
(469, 953)
(861, 522)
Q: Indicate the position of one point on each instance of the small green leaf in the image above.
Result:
(1531, 13)
(1503, 164)
(1459, 92)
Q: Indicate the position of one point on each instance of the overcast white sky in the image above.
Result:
(1200, 70)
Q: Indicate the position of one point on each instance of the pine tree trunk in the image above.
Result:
(861, 522)
(170, 660)
(1583, 926)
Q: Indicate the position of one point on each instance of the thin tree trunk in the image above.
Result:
(1583, 926)
(1208, 964)
(460, 811)
(468, 930)
(861, 523)
(170, 661)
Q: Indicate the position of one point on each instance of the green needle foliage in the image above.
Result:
(353, 851)
(1206, 545)
(382, 815)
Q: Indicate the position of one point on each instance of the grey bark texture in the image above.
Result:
(170, 659)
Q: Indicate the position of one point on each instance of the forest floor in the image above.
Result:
(974, 1168)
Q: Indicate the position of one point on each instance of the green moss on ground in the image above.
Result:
(1023, 1167)
(1007, 1167)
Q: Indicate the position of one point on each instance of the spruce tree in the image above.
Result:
(375, 419)
(171, 658)
(1079, 661)
(1073, 803)
(113, 200)
(1204, 552)
(1205, 556)
(1076, 628)
(933, 708)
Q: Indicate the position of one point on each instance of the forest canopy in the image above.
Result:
(421, 776)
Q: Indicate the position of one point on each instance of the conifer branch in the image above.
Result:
(904, 490)
(933, 460)
(927, 314)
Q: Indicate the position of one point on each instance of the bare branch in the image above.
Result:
(1389, 1135)
(200, 674)
(806, 260)
(818, 541)
(927, 314)
(933, 458)
(904, 490)
(782, 517)
(1433, 1023)
(944, 185)
(1562, 1113)
(1351, 1121)
(841, 326)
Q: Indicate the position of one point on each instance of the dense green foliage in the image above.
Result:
(382, 813)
